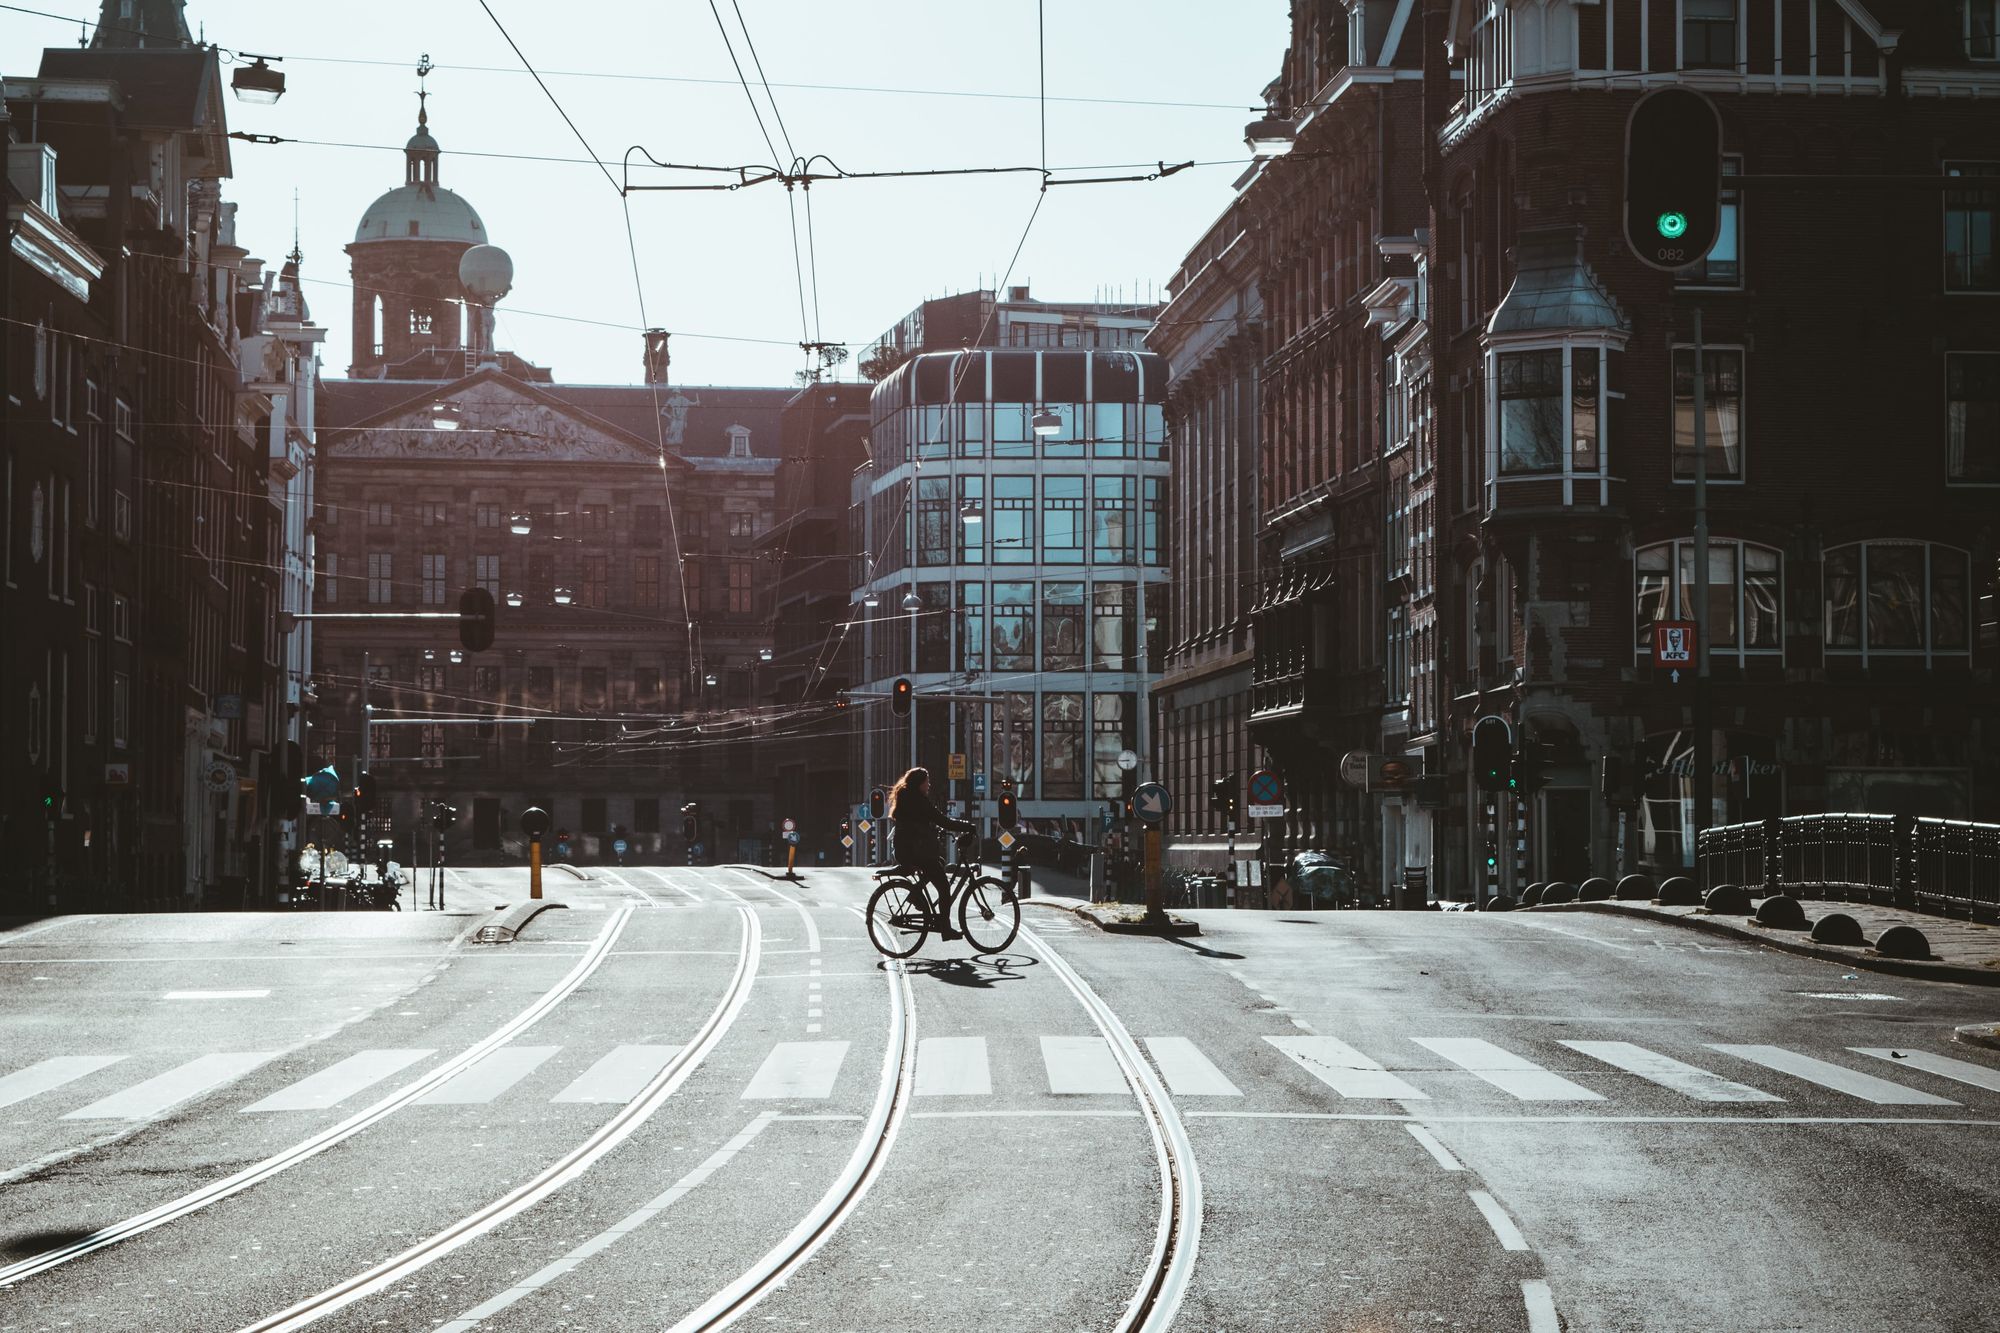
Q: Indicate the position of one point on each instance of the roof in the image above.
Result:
(1555, 290)
(421, 212)
(164, 89)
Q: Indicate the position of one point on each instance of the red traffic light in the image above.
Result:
(901, 695)
(878, 803)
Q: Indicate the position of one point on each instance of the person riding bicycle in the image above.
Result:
(918, 821)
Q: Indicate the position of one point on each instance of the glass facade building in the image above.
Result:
(1020, 572)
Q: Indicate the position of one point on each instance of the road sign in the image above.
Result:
(788, 826)
(956, 809)
(618, 846)
(1152, 802)
(1254, 811)
(1128, 760)
(956, 767)
(1266, 788)
(865, 825)
(1006, 839)
(791, 837)
(978, 784)
(860, 812)
(847, 840)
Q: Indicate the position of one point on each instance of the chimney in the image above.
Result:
(1017, 293)
(657, 357)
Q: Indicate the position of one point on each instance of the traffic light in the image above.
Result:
(442, 815)
(878, 803)
(1492, 754)
(475, 620)
(1009, 812)
(52, 798)
(689, 829)
(364, 794)
(1531, 766)
(1222, 797)
(900, 695)
(1673, 178)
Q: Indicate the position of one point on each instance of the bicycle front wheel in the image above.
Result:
(988, 914)
(898, 919)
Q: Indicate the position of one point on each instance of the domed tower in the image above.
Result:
(409, 307)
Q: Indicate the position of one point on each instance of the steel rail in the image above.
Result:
(561, 1172)
(319, 1143)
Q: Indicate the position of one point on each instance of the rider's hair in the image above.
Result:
(916, 777)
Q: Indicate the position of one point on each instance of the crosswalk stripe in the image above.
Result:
(337, 1082)
(619, 1076)
(1187, 1071)
(797, 1069)
(1959, 1071)
(154, 1096)
(1837, 1077)
(1507, 1071)
(489, 1078)
(1344, 1069)
(953, 1067)
(1670, 1073)
(1081, 1065)
(45, 1075)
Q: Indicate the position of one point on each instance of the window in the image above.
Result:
(1531, 411)
(692, 573)
(1012, 520)
(1062, 746)
(1111, 724)
(645, 814)
(596, 686)
(1745, 588)
(1897, 597)
(1112, 501)
(326, 587)
(1972, 416)
(541, 579)
(1111, 627)
(433, 513)
(971, 535)
(93, 456)
(596, 519)
(1396, 658)
(1014, 742)
(1062, 627)
(1062, 520)
(1150, 550)
(381, 577)
(486, 573)
(971, 627)
(1722, 410)
(542, 686)
(646, 580)
(741, 594)
(121, 618)
(646, 523)
(381, 514)
(121, 707)
(430, 744)
(1013, 627)
(486, 682)
(431, 568)
(1722, 266)
(934, 521)
(486, 516)
(1979, 28)
(934, 627)
(596, 590)
(1968, 228)
(1708, 34)
(742, 523)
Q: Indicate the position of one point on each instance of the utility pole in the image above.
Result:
(1704, 734)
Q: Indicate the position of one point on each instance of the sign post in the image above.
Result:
(1152, 803)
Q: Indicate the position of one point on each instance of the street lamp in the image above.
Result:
(258, 84)
(515, 599)
(972, 513)
(764, 654)
(457, 657)
(1270, 137)
(444, 416)
(870, 600)
(564, 596)
(912, 602)
(1046, 422)
(708, 679)
(430, 655)
(520, 525)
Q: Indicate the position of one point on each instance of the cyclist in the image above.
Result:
(918, 821)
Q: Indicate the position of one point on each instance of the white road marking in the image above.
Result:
(1507, 1071)
(1496, 1217)
(489, 1077)
(661, 876)
(1670, 1073)
(1837, 1077)
(1082, 1065)
(1959, 1071)
(45, 1075)
(215, 994)
(953, 1067)
(812, 927)
(1541, 1303)
(1573, 934)
(797, 1069)
(1846, 995)
(1187, 1071)
(1434, 1148)
(619, 1076)
(142, 1101)
(612, 1234)
(1344, 1069)
(337, 1082)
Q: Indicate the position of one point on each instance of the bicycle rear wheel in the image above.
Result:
(988, 914)
(898, 918)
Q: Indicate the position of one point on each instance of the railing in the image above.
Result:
(1948, 866)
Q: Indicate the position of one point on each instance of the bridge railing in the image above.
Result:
(1949, 866)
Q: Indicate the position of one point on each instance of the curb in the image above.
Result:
(1980, 1034)
(509, 927)
(564, 865)
(1971, 976)
(1112, 925)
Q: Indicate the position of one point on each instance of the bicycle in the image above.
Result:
(900, 916)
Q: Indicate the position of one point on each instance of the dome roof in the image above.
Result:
(423, 213)
(421, 142)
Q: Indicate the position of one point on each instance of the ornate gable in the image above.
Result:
(491, 417)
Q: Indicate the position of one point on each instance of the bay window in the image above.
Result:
(1549, 411)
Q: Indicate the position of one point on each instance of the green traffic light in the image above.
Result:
(1672, 225)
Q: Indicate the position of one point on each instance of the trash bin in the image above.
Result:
(1023, 886)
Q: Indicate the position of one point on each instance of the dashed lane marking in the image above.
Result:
(1509, 1235)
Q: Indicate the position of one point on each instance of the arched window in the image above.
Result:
(1746, 595)
(1897, 598)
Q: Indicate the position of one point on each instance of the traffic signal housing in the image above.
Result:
(1492, 754)
(900, 696)
(475, 620)
(1009, 813)
(1531, 766)
(1673, 178)
(1222, 797)
(878, 803)
(364, 794)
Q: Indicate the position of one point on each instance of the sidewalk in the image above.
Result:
(1963, 951)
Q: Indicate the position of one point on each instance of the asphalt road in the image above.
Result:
(698, 1096)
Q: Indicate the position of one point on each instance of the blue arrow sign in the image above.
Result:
(1152, 802)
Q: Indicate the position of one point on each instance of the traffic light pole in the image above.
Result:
(1704, 734)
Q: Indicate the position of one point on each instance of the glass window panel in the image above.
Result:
(1013, 627)
(936, 520)
(1062, 626)
(1111, 724)
(1722, 410)
(1583, 386)
(1150, 551)
(1111, 430)
(1950, 577)
(1895, 596)
(1012, 518)
(1653, 573)
(934, 627)
(1154, 429)
(1843, 597)
(1111, 519)
(1062, 746)
(1062, 520)
(1012, 436)
(971, 627)
(1068, 440)
(1762, 604)
(972, 430)
(1969, 228)
(1014, 742)
(971, 535)
(1972, 416)
(1531, 411)
(1111, 629)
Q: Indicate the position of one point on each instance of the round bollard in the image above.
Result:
(1680, 891)
(1634, 887)
(1837, 928)
(1500, 902)
(1903, 942)
(1781, 911)
(1533, 894)
(1595, 889)
(1559, 892)
(1727, 900)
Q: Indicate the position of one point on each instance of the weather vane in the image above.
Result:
(424, 67)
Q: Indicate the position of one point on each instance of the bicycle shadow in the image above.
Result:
(978, 973)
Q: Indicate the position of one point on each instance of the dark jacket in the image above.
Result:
(918, 822)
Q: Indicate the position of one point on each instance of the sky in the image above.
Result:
(924, 84)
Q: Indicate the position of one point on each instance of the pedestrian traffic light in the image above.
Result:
(1531, 766)
(900, 695)
(52, 798)
(878, 803)
(1492, 754)
(475, 620)
(364, 794)
(1673, 178)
